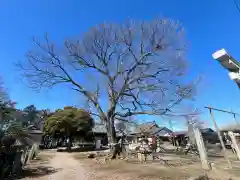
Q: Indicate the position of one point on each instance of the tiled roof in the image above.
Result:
(176, 133)
(204, 130)
(151, 128)
(99, 128)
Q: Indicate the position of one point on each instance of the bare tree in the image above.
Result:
(140, 66)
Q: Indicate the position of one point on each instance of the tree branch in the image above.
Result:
(140, 66)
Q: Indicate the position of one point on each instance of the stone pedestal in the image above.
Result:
(141, 157)
(98, 144)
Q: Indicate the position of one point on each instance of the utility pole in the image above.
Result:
(234, 117)
(235, 144)
(220, 137)
(201, 148)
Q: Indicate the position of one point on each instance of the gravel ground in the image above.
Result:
(69, 168)
(61, 167)
(65, 166)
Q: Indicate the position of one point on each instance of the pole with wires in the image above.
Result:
(219, 134)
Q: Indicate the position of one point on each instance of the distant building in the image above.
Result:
(208, 134)
(152, 129)
(149, 128)
(100, 135)
(232, 127)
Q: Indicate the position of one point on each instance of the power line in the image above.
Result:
(221, 110)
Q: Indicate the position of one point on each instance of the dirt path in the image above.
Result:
(68, 168)
(61, 166)
(64, 166)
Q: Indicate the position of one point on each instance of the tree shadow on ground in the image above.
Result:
(215, 156)
(37, 172)
(80, 149)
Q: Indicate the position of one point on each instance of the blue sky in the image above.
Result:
(209, 25)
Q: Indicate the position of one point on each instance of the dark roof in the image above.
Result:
(206, 130)
(99, 128)
(151, 128)
(177, 133)
(163, 131)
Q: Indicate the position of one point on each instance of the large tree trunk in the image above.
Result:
(69, 144)
(112, 139)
